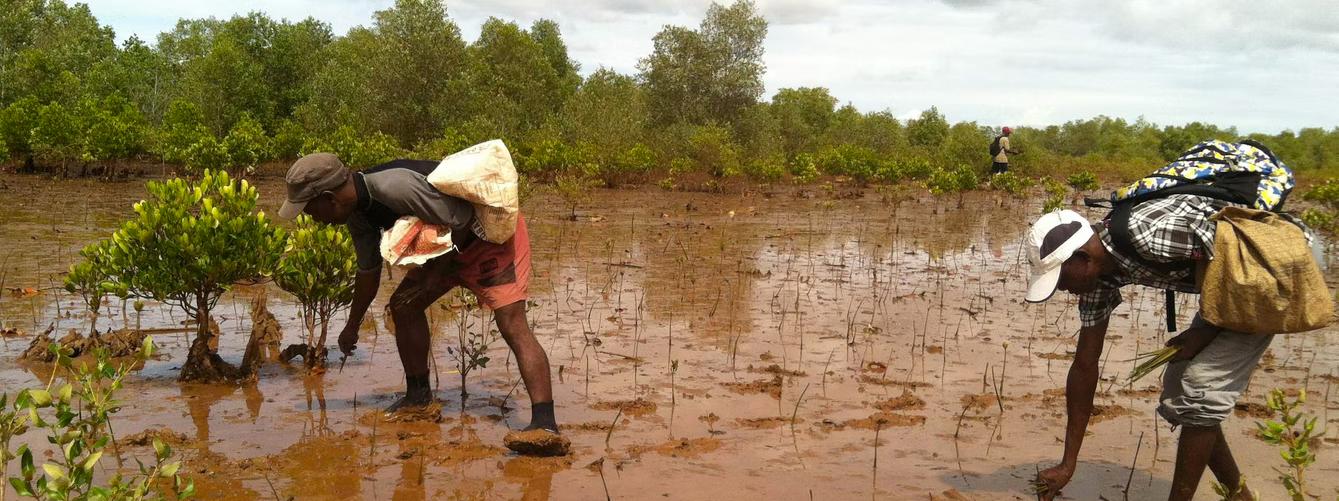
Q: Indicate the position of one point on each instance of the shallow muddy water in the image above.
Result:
(757, 345)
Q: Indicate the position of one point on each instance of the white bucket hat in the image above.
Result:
(1050, 242)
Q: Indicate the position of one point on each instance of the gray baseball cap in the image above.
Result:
(310, 176)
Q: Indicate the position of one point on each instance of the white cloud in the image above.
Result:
(1259, 66)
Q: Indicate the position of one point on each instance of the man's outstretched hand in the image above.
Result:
(1051, 480)
(348, 339)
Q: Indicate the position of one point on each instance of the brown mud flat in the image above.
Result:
(1252, 410)
(1108, 412)
(679, 448)
(764, 423)
(904, 402)
(883, 420)
(763, 386)
(799, 326)
(635, 408)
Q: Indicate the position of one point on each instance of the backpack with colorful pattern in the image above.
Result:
(1246, 173)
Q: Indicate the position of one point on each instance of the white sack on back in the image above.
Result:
(485, 176)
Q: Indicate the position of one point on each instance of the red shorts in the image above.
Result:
(498, 274)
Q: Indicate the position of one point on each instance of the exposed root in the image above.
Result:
(120, 343)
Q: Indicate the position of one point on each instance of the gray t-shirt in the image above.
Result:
(393, 190)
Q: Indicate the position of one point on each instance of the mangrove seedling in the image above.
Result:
(1294, 432)
(318, 268)
(575, 190)
(471, 349)
(88, 280)
(77, 419)
(1055, 195)
(185, 246)
(1082, 181)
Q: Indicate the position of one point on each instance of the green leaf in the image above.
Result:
(66, 392)
(160, 449)
(20, 487)
(170, 469)
(40, 398)
(91, 461)
(53, 471)
(26, 461)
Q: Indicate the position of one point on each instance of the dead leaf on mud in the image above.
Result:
(12, 333)
(636, 408)
(23, 292)
(596, 465)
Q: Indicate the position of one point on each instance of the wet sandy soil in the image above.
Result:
(750, 345)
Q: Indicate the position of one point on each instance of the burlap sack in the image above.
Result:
(1263, 278)
(484, 175)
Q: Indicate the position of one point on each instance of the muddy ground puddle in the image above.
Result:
(749, 345)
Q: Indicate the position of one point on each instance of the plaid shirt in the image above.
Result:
(1166, 230)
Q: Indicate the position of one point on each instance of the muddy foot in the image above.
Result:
(431, 413)
(539, 442)
(412, 400)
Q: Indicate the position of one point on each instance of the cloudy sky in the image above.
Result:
(1262, 66)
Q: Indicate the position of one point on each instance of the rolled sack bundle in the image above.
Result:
(411, 242)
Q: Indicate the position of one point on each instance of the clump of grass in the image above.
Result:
(1152, 361)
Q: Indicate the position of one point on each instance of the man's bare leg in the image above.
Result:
(533, 363)
(1224, 468)
(1193, 451)
(412, 340)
